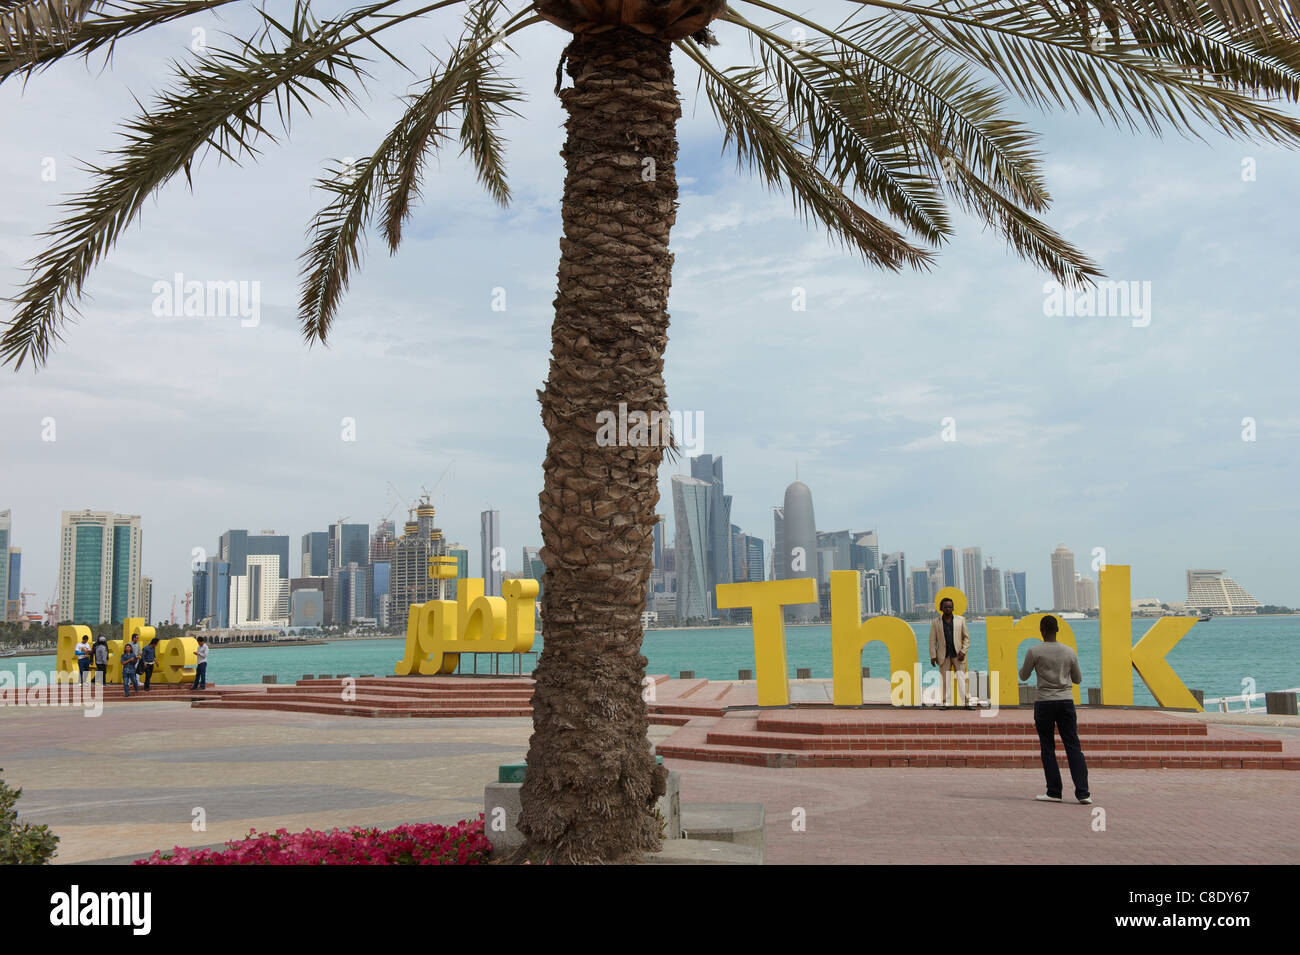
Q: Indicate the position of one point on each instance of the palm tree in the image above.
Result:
(901, 109)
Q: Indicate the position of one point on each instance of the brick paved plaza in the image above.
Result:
(128, 782)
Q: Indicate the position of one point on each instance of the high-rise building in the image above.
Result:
(1015, 586)
(691, 518)
(14, 590)
(533, 566)
(949, 568)
(492, 554)
(800, 542)
(894, 574)
(1211, 592)
(1063, 597)
(1085, 593)
(461, 553)
(6, 524)
(316, 554)
(381, 542)
(235, 546)
(936, 578)
(349, 544)
(146, 599)
(99, 567)
(780, 566)
(972, 566)
(351, 593)
(409, 581)
(992, 588)
(307, 608)
(260, 596)
(661, 529)
(865, 551)
(718, 564)
(921, 595)
(218, 600)
(199, 588)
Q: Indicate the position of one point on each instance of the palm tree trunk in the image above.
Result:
(591, 782)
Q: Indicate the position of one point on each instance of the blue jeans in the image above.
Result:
(129, 680)
(200, 676)
(84, 666)
(1048, 716)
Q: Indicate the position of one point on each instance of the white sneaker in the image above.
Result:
(1043, 797)
(1085, 801)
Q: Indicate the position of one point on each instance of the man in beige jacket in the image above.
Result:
(949, 644)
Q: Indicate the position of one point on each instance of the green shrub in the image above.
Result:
(25, 844)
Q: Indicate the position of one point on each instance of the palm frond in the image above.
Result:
(391, 172)
(467, 84)
(219, 105)
(1153, 73)
(750, 117)
(956, 131)
(860, 145)
(29, 42)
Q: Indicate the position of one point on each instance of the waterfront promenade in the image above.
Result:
(130, 781)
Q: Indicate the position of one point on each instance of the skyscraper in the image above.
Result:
(708, 469)
(218, 580)
(948, 567)
(409, 581)
(661, 528)
(348, 544)
(865, 552)
(316, 554)
(921, 596)
(5, 534)
(14, 607)
(800, 543)
(492, 556)
(1063, 597)
(992, 588)
(381, 542)
(235, 546)
(691, 518)
(99, 567)
(780, 566)
(533, 567)
(1015, 584)
(894, 573)
(199, 587)
(146, 599)
(1085, 592)
(936, 578)
(972, 566)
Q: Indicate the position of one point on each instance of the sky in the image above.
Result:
(939, 408)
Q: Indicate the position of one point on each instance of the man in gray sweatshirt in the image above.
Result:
(1058, 669)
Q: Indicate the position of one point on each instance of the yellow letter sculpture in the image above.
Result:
(1004, 641)
(849, 634)
(439, 631)
(65, 660)
(766, 598)
(1118, 654)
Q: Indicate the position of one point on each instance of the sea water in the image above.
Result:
(1223, 657)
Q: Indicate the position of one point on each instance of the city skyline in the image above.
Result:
(1038, 582)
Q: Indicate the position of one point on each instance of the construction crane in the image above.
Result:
(52, 611)
(173, 617)
(22, 607)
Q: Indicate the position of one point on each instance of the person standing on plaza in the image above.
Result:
(129, 660)
(201, 668)
(949, 644)
(101, 661)
(149, 657)
(1058, 669)
(83, 657)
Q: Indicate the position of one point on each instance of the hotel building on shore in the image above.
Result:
(1209, 591)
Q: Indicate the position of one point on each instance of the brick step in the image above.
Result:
(354, 709)
(662, 719)
(435, 682)
(1098, 744)
(375, 686)
(966, 760)
(975, 727)
(383, 702)
(303, 692)
(699, 709)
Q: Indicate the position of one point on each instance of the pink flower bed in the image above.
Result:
(425, 844)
